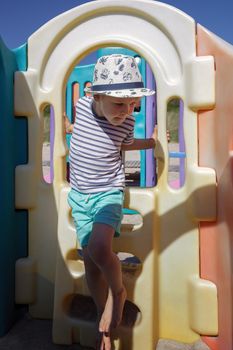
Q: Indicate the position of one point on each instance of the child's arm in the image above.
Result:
(138, 144)
(68, 125)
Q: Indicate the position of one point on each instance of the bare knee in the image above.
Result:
(99, 252)
(100, 244)
(90, 265)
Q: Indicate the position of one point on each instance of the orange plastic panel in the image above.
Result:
(215, 151)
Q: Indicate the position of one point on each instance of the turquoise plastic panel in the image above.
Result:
(21, 57)
(13, 223)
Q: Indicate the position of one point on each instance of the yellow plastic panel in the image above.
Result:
(52, 54)
(201, 81)
(202, 201)
(203, 306)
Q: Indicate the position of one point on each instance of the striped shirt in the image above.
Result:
(95, 150)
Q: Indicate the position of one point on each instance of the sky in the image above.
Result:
(20, 18)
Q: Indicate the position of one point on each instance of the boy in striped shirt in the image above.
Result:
(104, 126)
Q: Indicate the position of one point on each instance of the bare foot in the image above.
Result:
(112, 314)
(103, 342)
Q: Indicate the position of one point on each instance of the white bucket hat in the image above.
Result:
(118, 76)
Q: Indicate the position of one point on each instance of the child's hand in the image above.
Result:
(67, 124)
(155, 134)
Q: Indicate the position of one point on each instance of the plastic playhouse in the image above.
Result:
(181, 287)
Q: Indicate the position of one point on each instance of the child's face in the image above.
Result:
(115, 109)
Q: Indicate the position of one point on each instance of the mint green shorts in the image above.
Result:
(101, 207)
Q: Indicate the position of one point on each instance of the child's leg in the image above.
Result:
(96, 282)
(99, 292)
(100, 251)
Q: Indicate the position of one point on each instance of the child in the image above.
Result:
(104, 126)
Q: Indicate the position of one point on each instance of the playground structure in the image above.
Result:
(182, 287)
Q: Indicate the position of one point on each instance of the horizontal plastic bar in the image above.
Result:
(177, 155)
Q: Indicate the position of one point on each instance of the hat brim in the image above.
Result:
(140, 92)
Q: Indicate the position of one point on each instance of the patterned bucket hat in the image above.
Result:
(118, 76)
